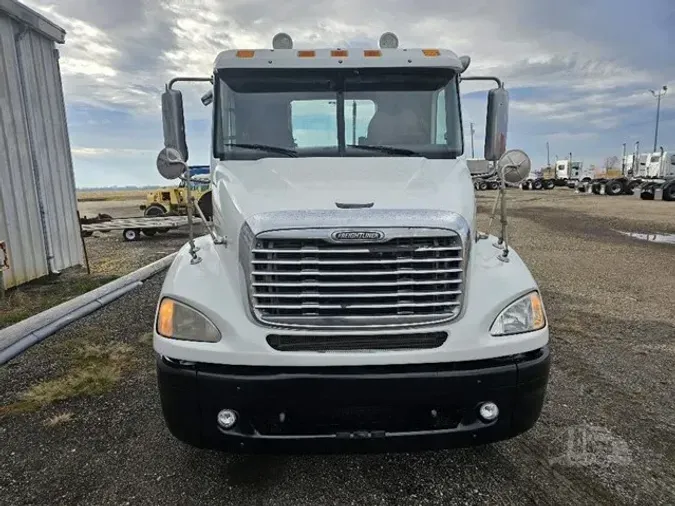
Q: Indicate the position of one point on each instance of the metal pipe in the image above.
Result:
(17, 338)
(483, 78)
(188, 80)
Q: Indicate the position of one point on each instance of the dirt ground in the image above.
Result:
(80, 421)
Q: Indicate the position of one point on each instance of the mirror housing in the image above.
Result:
(173, 121)
(170, 163)
(478, 167)
(207, 98)
(496, 123)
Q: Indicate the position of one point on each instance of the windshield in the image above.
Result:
(355, 112)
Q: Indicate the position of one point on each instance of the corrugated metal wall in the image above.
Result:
(20, 223)
(38, 206)
(51, 148)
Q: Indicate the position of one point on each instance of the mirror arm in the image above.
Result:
(483, 78)
(175, 80)
(216, 239)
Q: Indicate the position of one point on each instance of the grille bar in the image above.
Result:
(358, 251)
(311, 295)
(315, 261)
(310, 305)
(316, 272)
(314, 282)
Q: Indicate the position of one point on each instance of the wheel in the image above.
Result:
(549, 185)
(483, 185)
(614, 188)
(646, 195)
(494, 185)
(154, 210)
(131, 234)
(669, 192)
(149, 231)
(595, 188)
(537, 185)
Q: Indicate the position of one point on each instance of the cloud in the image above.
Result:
(577, 75)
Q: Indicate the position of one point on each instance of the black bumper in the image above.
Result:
(352, 409)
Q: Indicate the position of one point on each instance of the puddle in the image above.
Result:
(659, 238)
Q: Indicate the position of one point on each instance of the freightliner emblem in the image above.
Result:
(358, 235)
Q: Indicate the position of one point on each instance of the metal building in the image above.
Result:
(38, 204)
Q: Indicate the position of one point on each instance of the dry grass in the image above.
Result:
(58, 419)
(95, 370)
(111, 195)
(32, 298)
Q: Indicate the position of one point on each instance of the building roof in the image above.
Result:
(33, 20)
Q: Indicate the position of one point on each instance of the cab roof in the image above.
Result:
(337, 58)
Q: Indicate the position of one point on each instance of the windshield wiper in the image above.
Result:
(386, 149)
(265, 147)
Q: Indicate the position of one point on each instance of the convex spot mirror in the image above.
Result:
(514, 166)
(170, 163)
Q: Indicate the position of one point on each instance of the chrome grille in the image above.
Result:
(316, 282)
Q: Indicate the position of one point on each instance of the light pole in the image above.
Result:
(658, 96)
(473, 154)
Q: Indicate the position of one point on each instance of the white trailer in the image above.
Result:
(344, 299)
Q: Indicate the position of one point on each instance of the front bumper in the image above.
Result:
(355, 408)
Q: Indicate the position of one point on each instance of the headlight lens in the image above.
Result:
(524, 315)
(178, 321)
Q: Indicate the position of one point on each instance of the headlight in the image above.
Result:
(524, 315)
(178, 321)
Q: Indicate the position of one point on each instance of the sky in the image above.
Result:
(578, 71)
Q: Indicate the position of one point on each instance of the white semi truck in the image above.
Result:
(344, 299)
(646, 173)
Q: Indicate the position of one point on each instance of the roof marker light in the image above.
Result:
(388, 40)
(245, 53)
(282, 41)
(339, 52)
(372, 53)
(306, 54)
(431, 52)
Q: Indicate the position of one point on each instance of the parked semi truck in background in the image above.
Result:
(344, 298)
(649, 174)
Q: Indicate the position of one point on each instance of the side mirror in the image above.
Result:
(479, 167)
(174, 122)
(170, 163)
(496, 124)
(514, 166)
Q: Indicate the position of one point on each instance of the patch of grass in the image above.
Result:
(58, 419)
(32, 298)
(146, 338)
(96, 369)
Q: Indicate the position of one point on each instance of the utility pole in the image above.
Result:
(623, 160)
(658, 96)
(473, 154)
(548, 155)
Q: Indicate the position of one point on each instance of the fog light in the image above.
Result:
(488, 411)
(227, 418)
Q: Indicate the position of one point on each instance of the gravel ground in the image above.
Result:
(606, 436)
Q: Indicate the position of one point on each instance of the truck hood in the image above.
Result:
(248, 188)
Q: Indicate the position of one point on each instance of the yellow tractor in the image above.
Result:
(173, 201)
